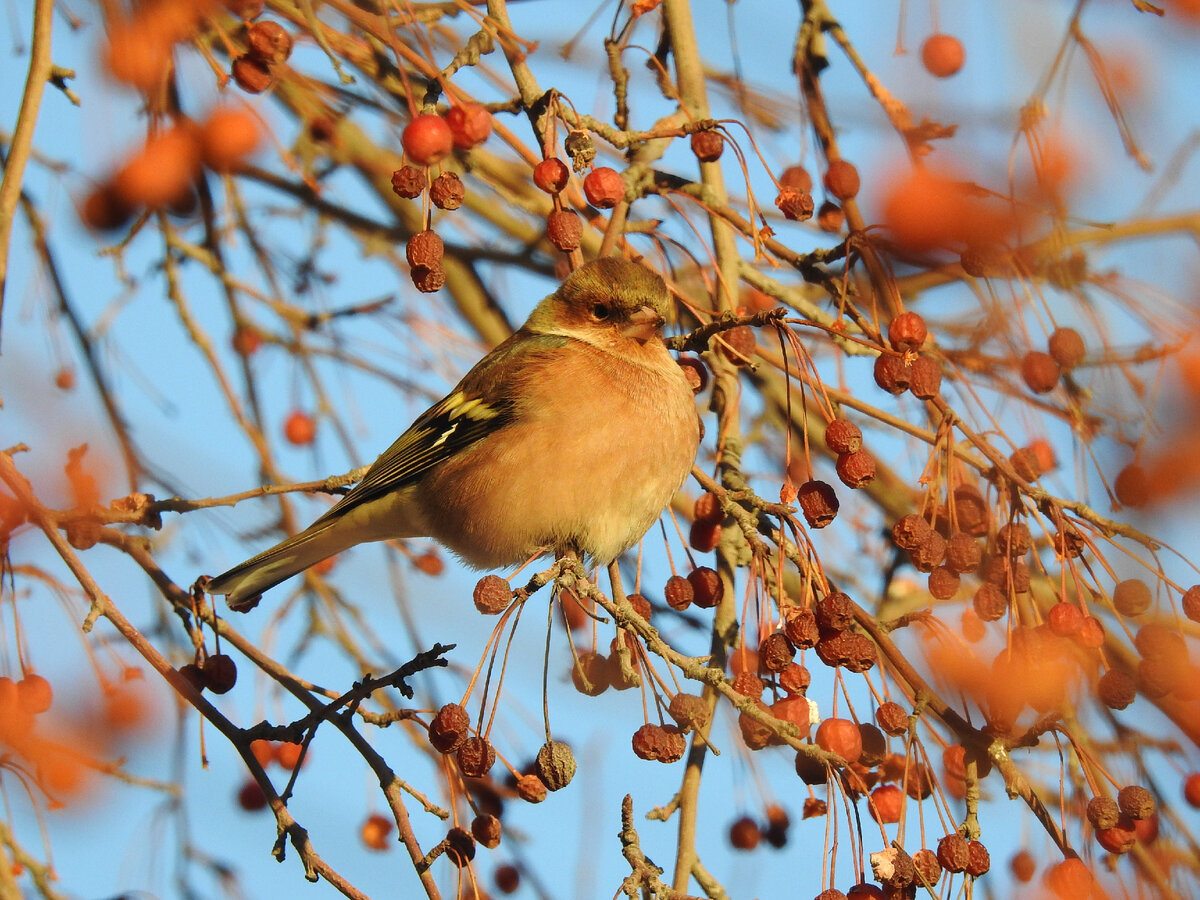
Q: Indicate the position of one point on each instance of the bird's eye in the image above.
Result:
(601, 311)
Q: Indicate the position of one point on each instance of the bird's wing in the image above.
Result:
(445, 429)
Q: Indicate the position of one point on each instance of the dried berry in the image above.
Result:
(891, 373)
(835, 611)
(1191, 603)
(953, 854)
(795, 679)
(749, 685)
(707, 508)
(1118, 838)
(843, 436)
(425, 248)
(819, 503)
(910, 531)
(708, 145)
(1135, 801)
(487, 830)
(470, 124)
(460, 846)
(925, 377)
(801, 627)
(1039, 371)
(874, 745)
(963, 553)
(375, 832)
(689, 711)
(907, 331)
(1116, 689)
(928, 869)
(738, 345)
(1067, 348)
(979, 860)
(492, 595)
(744, 834)
(589, 674)
(704, 537)
(564, 229)
(551, 175)
(929, 553)
(408, 182)
(664, 744)
(427, 139)
(695, 372)
(604, 187)
(841, 179)
(1065, 619)
(755, 734)
(269, 42)
(856, 469)
(1014, 539)
(428, 279)
(476, 757)
(1131, 597)
(1103, 812)
(892, 718)
(797, 179)
(678, 592)
(251, 75)
(707, 588)
(531, 789)
(830, 217)
(775, 653)
(447, 191)
(450, 728)
(796, 206)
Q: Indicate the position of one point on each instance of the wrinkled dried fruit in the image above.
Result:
(907, 331)
(492, 595)
(818, 502)
(843, 436)
(447, 191)
(450, 728)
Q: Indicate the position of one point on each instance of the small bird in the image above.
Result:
(570, 436)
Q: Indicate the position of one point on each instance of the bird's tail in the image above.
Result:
(245, 582)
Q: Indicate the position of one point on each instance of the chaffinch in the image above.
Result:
(572, 435)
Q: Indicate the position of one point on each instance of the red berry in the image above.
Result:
(551, 175)
(840, 736)
(1191, 790)
(300, 428)
(942, 55)
(907, 331)
(427, 139)
(604, 187)
(470, 125)
(34, 694)
(251, 797)
(887, 801)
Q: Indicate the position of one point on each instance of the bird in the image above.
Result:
(571, 436)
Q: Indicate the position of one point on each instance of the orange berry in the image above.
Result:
(34, 694)
(300, 428)
(268, 42)
(375, 831)
(264, 752)
(427, 139)
(161, 173)
(470, 124)
(551, 175)
(227, 137)
(840, 736)
(604, 187)
(252, 75)
(942, 55)
(288, 754)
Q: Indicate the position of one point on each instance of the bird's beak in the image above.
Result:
(643, 324)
